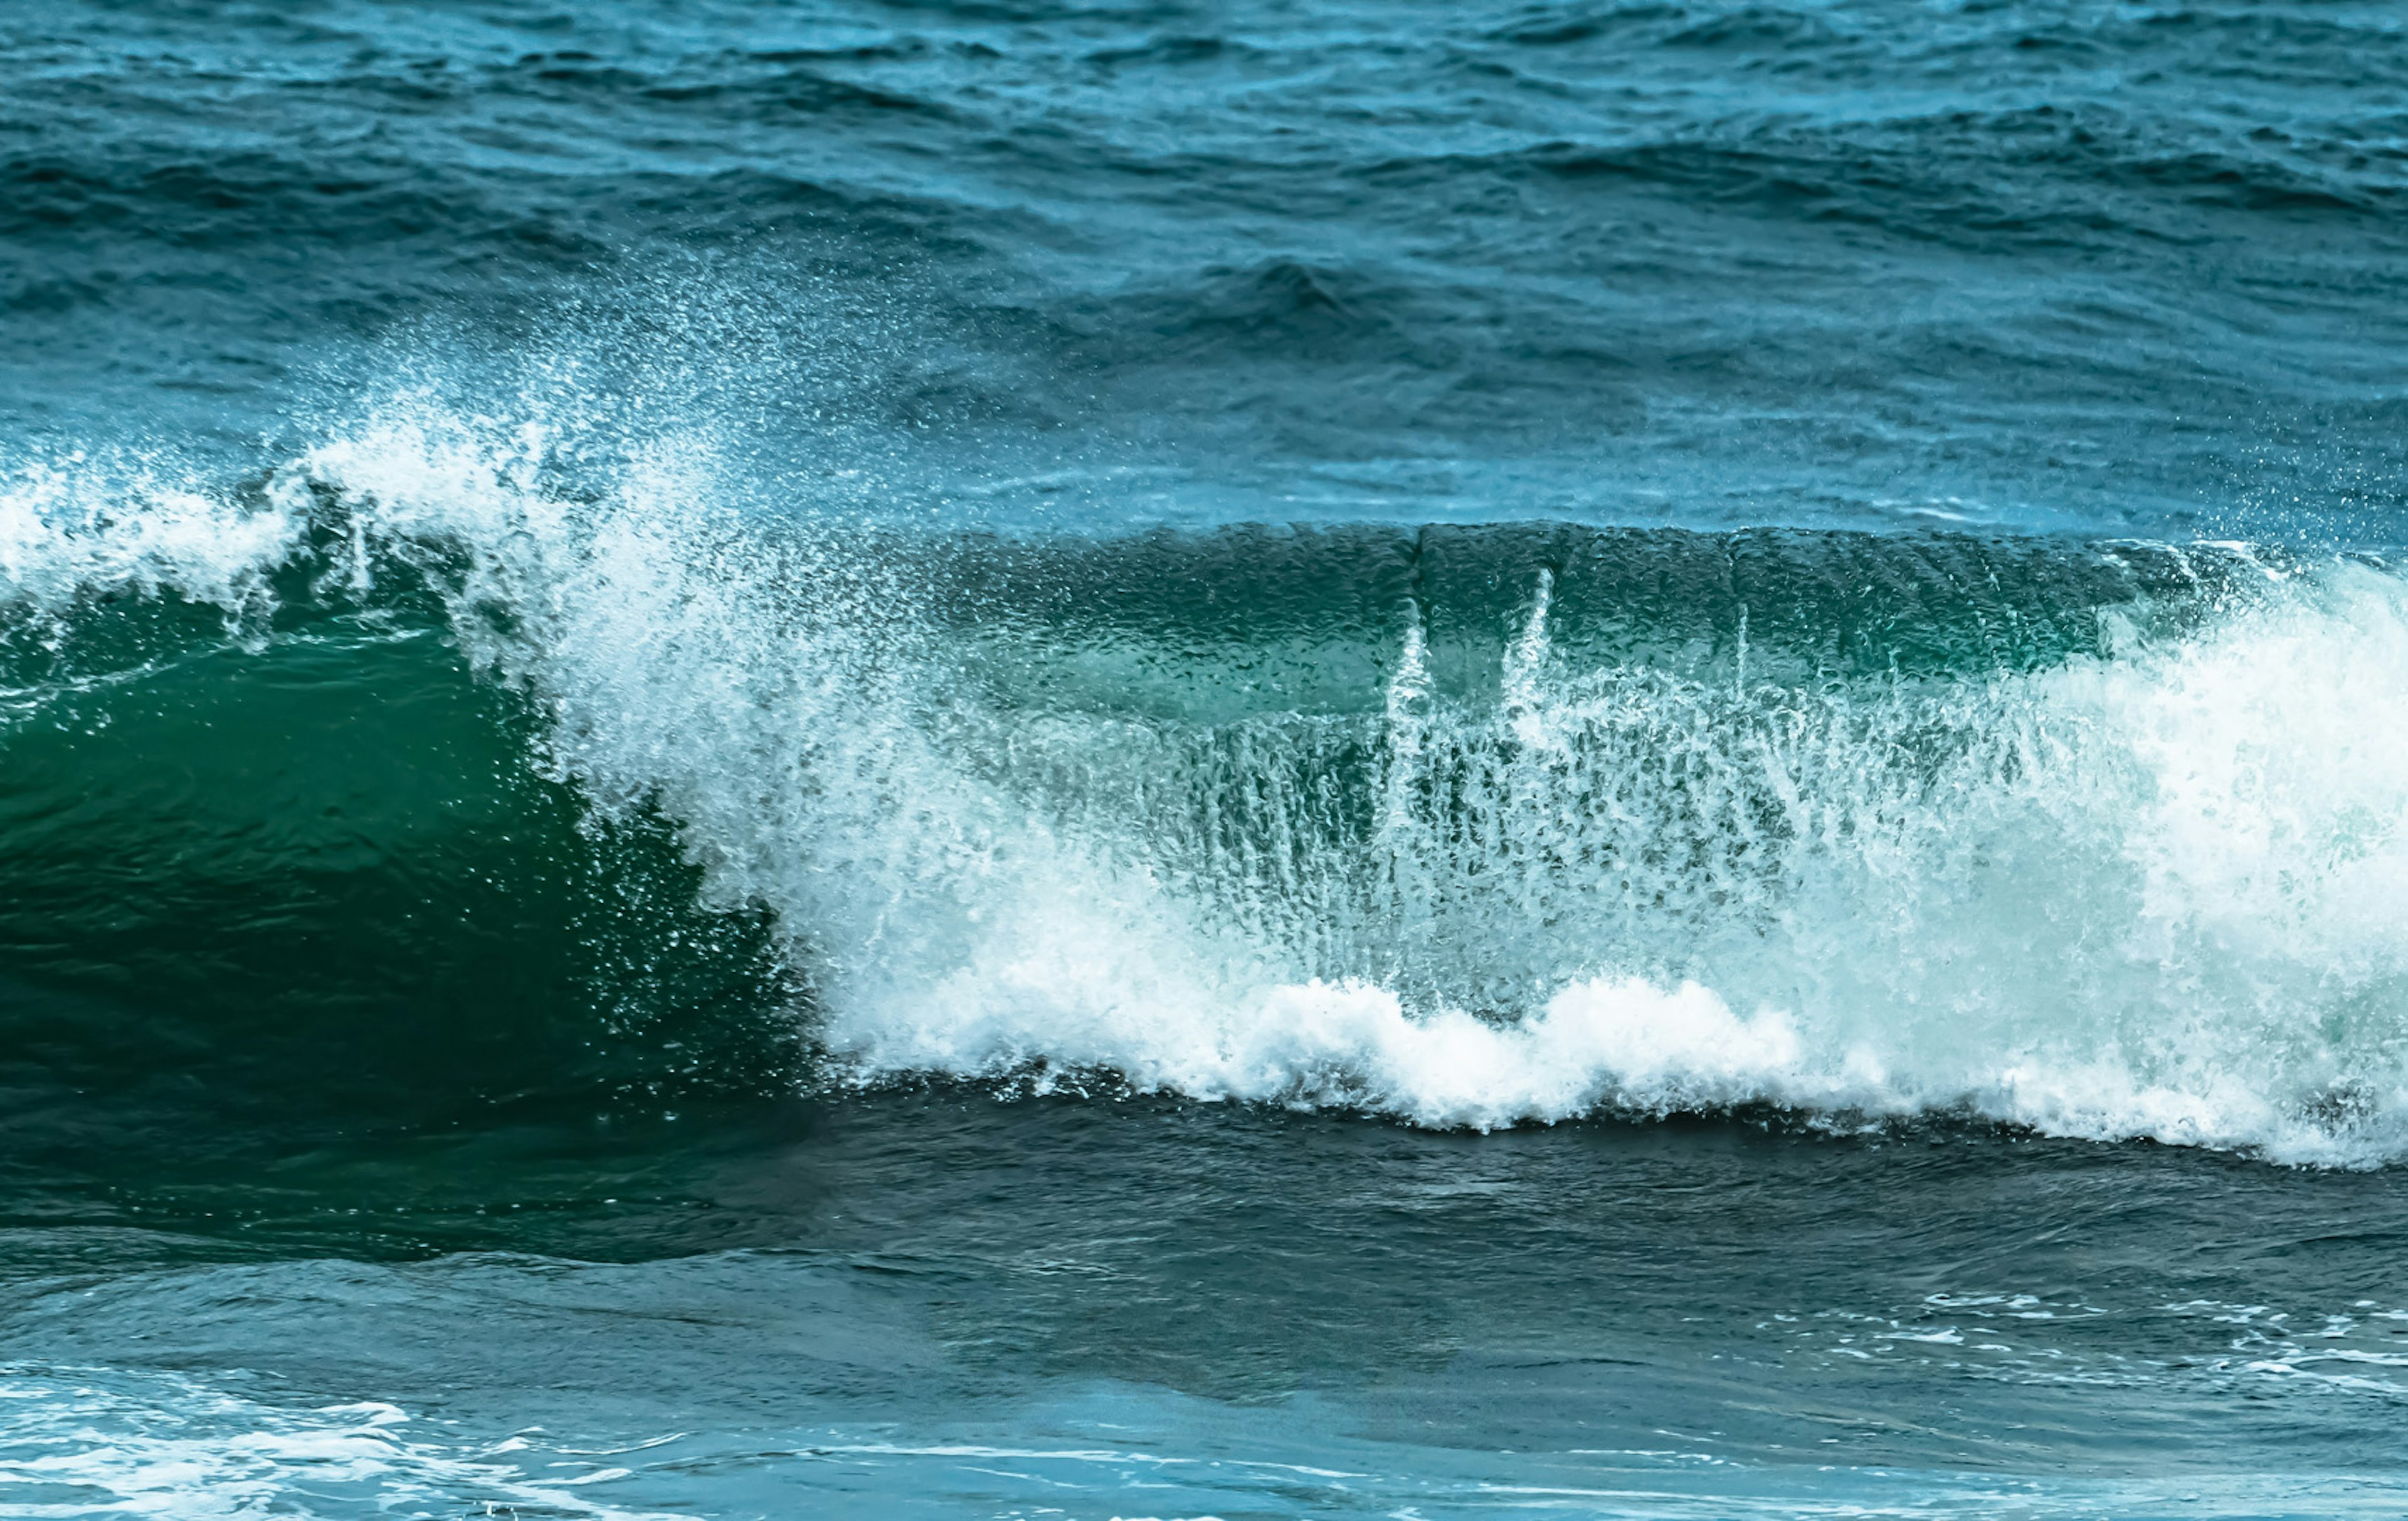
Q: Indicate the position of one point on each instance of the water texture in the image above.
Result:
(1277, 760)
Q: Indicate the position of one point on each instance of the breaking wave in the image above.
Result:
(1467, 826)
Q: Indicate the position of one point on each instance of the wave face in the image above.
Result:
(1468, 826)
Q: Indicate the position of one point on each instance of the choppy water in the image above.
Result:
(1287, 760)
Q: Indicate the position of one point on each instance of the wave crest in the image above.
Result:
(1462, 830)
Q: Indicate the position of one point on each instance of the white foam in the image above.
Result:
(2155, 895)
(84, 1442)
(74, 527)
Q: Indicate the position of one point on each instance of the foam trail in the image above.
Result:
(106, 1442)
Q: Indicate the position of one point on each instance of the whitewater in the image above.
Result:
(2137, 888)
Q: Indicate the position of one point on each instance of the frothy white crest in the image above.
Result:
(2157, 892)
(74, 527)
(1619, 1041)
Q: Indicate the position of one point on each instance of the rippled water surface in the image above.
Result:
(989, 760)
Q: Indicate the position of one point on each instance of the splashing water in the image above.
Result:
(2145, 886)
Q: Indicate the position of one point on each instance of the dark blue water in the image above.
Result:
(2093, 267)
(1624, 760)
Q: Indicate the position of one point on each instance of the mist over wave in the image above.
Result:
(1466, 827)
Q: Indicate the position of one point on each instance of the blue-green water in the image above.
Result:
(1284, 760)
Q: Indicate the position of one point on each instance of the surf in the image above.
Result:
(1466, 827)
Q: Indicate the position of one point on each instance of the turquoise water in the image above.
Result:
(1623, 761)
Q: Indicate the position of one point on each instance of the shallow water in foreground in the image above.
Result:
(944, 1303)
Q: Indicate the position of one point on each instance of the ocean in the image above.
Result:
(964, 758)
